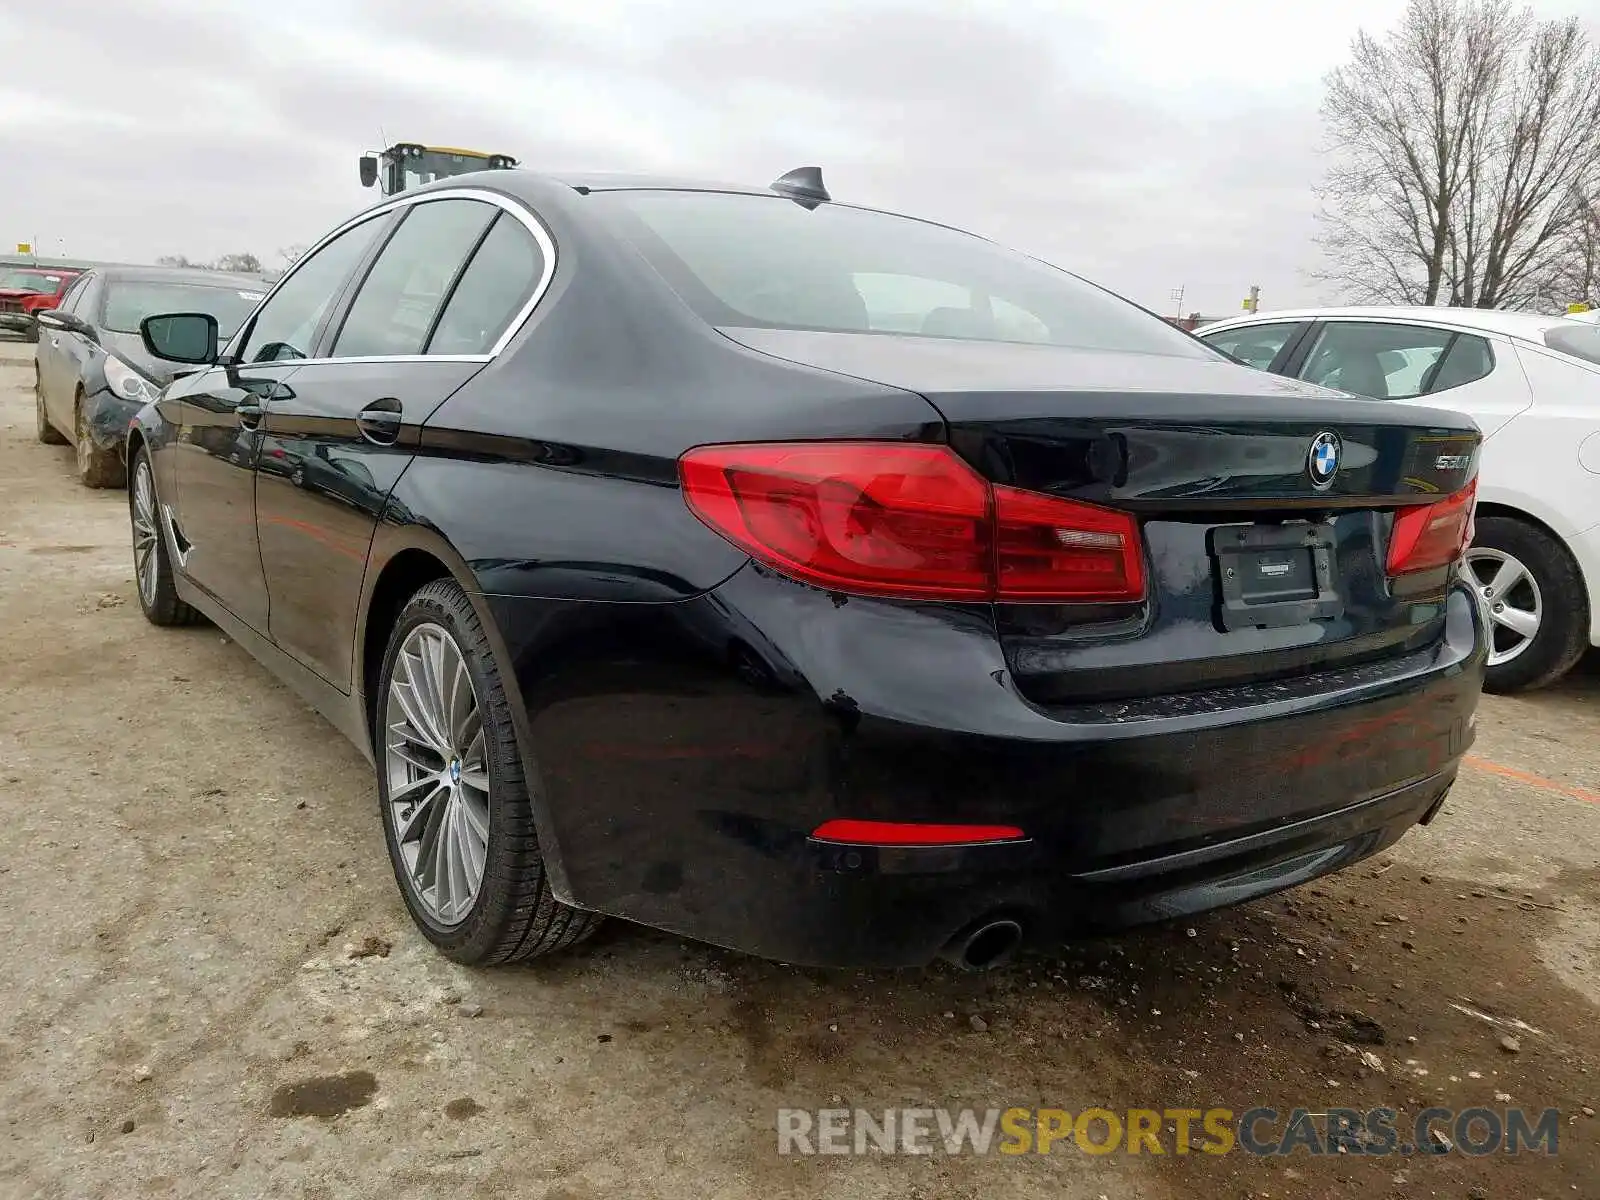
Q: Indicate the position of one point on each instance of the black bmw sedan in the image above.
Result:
(807, 579)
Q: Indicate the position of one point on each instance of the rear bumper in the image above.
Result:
(685, 752)
(17, 322)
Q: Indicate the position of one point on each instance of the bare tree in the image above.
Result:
(1460, 142)
(179, 260)
(292, 253)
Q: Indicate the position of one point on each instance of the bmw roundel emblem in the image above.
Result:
(1322, 462)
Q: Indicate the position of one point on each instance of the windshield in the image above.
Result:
(768, 262)
(129, 301)
(1577, 339)
(30, 281)
(435, 164)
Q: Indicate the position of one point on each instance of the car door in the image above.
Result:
(419, 326)
(68, 351)
(220, 416)
(47, 352)
(1441, 367)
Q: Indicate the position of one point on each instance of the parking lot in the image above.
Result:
(214, 990)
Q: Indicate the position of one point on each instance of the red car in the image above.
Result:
(24, 291)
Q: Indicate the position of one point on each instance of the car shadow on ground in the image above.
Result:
(1381, 987)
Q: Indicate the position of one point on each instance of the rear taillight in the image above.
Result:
(1432, 535)
(892, 519)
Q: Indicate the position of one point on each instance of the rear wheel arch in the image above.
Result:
(399, 579)
(1491, 508)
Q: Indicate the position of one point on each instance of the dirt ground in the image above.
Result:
(211, 988)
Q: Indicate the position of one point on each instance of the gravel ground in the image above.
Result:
(213, 990)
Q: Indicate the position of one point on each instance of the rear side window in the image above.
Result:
(1395, 362)
(743, 260)
(1578, 340)
(403, 292)
(1257, 345)
(496, 284)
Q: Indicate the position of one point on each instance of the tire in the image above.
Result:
(48, 433)
(473, 791)
(1544, 581)
(97, 468)
(158, 596)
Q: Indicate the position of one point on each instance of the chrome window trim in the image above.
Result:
(530, 222)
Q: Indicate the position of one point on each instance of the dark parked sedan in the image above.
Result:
(807, 579)
(91, 370)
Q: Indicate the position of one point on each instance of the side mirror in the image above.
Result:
(181, 337)
(369, 170)
(65, 322)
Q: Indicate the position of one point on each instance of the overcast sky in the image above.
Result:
(1147, 144)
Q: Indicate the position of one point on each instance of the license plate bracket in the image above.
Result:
(1271, 576)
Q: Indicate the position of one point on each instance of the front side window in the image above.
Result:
(74, 294)
(497, 283)
(395, 309)
(130, 301)
(288, 321)
(743, 260)
(1257, 345)
(1386, 362)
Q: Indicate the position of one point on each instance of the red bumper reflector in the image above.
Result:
(905, 833)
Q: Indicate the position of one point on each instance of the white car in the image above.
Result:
(1533, 385)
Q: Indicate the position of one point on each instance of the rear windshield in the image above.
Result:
(1580, 341)
(129, 301)
(768, 262)
(30, 281)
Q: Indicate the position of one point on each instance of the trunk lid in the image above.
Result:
(1258, 569)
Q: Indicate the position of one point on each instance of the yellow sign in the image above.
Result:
(24, 247)
(1579, 307)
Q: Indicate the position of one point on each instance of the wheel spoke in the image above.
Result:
(413, 702)
(1510, 573)
(458, 713)
(431, 695)
(474, 772)
(427, 870)
(460, 890)
(476, 814)
(425, 795)
(406, 748)
(1518, 620)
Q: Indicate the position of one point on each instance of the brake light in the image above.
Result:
(911, 833)
(1432, 535)
(914, 521)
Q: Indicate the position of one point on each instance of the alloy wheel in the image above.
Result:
(145, 531)
(1511, 597)
(438, 778)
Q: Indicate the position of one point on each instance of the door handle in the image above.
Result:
(379, 422)
(249, 414)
